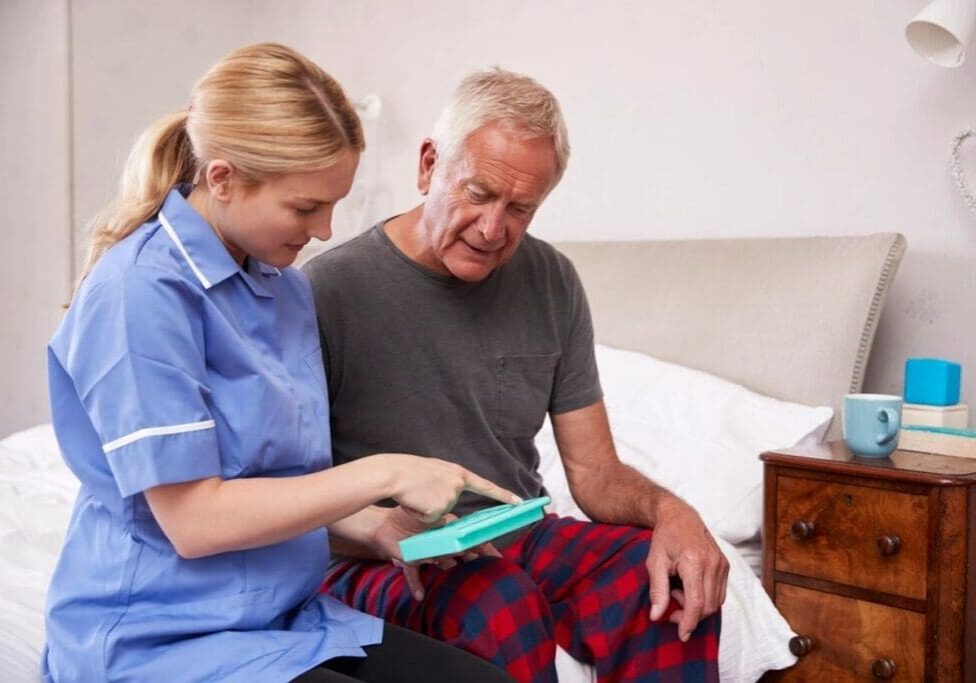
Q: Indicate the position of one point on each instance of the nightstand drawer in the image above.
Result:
(855, 535)
(851, 639)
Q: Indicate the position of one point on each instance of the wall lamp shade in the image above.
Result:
(941, 31)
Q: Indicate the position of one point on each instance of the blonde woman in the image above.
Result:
(187, 395)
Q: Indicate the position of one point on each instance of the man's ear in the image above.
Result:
(219, 176)
(425, 170)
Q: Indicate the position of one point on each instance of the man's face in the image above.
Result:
(480, 203)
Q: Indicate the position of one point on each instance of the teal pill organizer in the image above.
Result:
(474, 529)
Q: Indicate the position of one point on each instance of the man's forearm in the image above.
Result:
(619, 494)
(606, 489)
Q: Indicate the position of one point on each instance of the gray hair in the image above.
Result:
(503, 97)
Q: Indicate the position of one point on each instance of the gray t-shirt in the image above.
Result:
(419, 362)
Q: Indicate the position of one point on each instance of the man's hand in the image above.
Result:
(683, 547)
(611, 492)
(401, 523)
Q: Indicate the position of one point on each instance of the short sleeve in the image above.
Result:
(577, 381)
(135, 352)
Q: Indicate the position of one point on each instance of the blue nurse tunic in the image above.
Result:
(175, 364)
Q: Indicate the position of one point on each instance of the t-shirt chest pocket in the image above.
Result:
(523, 386)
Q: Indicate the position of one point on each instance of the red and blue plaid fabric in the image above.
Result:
(579, 584)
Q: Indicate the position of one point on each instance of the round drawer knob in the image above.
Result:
(889, 545)
(801, 645)
(802, 529)
(884, 668)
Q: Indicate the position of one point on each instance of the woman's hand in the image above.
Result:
(431, 487)
(400, 523)
(253, 512)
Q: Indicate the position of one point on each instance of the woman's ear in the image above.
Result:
(425, 170)
(219, 176)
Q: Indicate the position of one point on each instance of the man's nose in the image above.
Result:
(493, 224)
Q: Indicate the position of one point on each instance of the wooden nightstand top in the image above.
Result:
(923, 468)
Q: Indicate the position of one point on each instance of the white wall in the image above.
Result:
(694, 119)
(78, 81)
(134, 62)
(34, 193)
(701, 118)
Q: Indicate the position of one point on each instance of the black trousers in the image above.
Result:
(406, 657)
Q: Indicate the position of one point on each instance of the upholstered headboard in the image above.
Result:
(792, 318)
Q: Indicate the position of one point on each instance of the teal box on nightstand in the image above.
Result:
(932, 381)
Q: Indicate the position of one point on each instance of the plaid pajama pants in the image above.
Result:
(579, 584)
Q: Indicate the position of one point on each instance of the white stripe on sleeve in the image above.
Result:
(156, 431)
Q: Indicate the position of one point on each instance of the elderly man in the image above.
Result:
(448, 331)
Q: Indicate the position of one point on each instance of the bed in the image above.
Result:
(710, 351)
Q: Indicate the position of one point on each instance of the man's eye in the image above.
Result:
(477, 197)
(306, 212)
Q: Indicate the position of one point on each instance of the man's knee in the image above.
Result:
(489, 596)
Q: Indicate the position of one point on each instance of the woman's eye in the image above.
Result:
(306, 212)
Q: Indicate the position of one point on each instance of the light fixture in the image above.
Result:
(941, 31)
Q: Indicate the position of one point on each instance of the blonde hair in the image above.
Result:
(506, 98)
(265, 108)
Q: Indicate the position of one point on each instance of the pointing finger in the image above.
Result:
(472, 482)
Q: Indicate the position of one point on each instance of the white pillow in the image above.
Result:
(698, 435)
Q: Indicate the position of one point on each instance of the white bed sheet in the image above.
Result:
(751, 553)
(37, 492)
(36, 495)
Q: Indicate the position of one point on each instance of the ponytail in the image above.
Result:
(265, 108)
(161, 158)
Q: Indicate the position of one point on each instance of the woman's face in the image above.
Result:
(272, 221)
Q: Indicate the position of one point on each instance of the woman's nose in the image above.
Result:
(321, 230)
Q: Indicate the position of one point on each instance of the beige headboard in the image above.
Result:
(792, 318)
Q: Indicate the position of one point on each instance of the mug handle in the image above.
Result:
(892, 421)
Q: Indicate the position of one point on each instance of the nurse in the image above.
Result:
(186, 387)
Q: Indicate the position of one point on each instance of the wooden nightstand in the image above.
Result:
(873, 563)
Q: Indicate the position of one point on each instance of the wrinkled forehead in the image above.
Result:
(508, 153)
(513, 132)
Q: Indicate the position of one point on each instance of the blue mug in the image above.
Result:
(871, 424)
